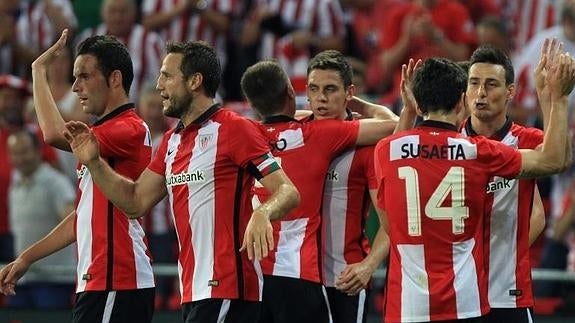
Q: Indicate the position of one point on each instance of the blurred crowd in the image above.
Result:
(377, 36)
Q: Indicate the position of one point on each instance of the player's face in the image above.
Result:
(327, 94)
(487, 95)
(176, 97)
(90, 85)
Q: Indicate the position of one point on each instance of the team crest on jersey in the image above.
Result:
(81, 172)
(204, 141)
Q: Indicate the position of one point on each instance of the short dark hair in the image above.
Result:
(265, 86)
(28, 133)
(332, 60)
(438, 85)
(112, 55)
(199, 57)
(491, 55)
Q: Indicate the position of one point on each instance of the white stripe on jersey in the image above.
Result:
(84, 228)
(110, 299)
(414, 283)
(291, 236)
(260, 275)
(224, 309)
(144, 272)
(465, 281)
(503, 238)
(361, 299)
(202, 209)
(335, 224)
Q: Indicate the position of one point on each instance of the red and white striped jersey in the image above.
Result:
(34, 28)
(346, 204)
(432, 186)
(112, 253)
(192, 26)
(507, 246)
(209, 168)
(305, 150)
(323, 18)
(146, 50)
(529, 17)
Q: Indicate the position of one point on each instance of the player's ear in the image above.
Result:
(349, 92)
(511, 90)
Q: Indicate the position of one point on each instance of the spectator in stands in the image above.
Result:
(158, 225)
(38, 184)
(526, 97)
(13, 94)
(493, 31)
(294, 30)
(420, 29)
(146, 47)
(29, 27)
(183, 20)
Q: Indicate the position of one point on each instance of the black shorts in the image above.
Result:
(507, 315)
(292, 300)
(134, 305)
(346, 308)
(213, 310)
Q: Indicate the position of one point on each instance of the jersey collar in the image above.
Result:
(498, 135)
(201, 119)
(278, 118)
(437, 124)
(114, 113)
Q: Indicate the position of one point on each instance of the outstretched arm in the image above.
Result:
(258, 238)
(60, 237)
(409, 112)
(49, 117)
(133, 198)
(356, 277)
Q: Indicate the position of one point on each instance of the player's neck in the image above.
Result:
(450, 118)
(198, 106)
(487, 128)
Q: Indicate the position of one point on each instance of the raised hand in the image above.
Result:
(561, 76)
(83, 142)
(10, 274)
(258, 238)
(51, 53)
(550, 51)
(407, 72)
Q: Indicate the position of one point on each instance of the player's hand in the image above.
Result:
(561, 76)
(51, 53)
(407, 73)
(258, 238)
(354, 278)
(550, 51)
(10, 274)
(83, 142)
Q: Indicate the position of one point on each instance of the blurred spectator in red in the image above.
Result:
(367, 25)
(29, 27)
(420, 29)
(292, 31)
(183, 20)
(492, 30)
(479, 9)
(13, 94)
(146, 47)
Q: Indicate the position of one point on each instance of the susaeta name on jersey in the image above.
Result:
(197, 176)
(499, 184)
(409, 147)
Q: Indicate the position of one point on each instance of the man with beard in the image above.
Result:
(207, 166)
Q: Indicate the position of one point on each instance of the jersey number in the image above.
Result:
(452, 183)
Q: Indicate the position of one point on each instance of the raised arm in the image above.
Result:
(61, 236)
(133, 198)
(368, 109)
(551, 159)
(356, 277)
(258, 238)
(49, 117)
(372, 130)
(408, 113)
